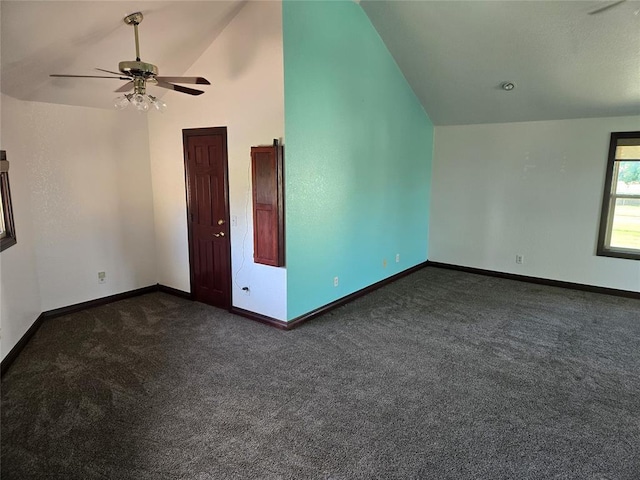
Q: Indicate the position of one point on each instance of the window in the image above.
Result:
(7, 228)
(620, 219)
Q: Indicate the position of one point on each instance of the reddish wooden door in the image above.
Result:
(268, 217)
(208, 215)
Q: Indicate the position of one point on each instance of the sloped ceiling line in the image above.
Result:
(455, 54)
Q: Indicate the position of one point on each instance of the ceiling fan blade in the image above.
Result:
(606, 7)
(86, 76)
(125, 88)
(120, 74)
(178, 88)
(197, 80)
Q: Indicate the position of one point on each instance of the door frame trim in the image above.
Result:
(196, 132)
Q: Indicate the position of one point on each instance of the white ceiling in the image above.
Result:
(454, 54)
(74, 37)
(565, 63)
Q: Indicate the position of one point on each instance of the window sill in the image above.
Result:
(627, 254)
(7, 242)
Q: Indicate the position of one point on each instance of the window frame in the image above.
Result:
(608, 204)
(9, 239)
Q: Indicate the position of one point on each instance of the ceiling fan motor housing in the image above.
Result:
(138, 69)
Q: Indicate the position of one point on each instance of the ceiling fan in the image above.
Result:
(138, 73)
(609, 5)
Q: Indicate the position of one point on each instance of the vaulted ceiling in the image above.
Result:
(564, 62)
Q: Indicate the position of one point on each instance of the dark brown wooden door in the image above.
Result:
(208, 215)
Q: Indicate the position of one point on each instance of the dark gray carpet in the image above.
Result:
(441, 375)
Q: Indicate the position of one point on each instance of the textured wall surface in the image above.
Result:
(19, 291)
(358, 157)
(90, 191)
(532, 189)
(83, 182)
(244, 65)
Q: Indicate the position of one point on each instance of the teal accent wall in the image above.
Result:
(358, 152)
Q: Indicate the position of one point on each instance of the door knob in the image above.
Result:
(220, 222)
(221, 234)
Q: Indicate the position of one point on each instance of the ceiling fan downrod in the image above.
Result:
(137, 68)
(135, 19)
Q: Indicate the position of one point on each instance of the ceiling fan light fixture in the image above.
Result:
(158, 104)
(141, 102)
(137, 73)
(121, 102)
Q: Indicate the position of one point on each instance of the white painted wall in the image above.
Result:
(245, 67)
(531, 188)
(19, 292)
(85, 173)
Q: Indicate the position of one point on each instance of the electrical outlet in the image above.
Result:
(102, 277)
(397, 258)
(519, 259)
(335, 281)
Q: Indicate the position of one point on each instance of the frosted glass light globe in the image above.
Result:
(121, 102)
